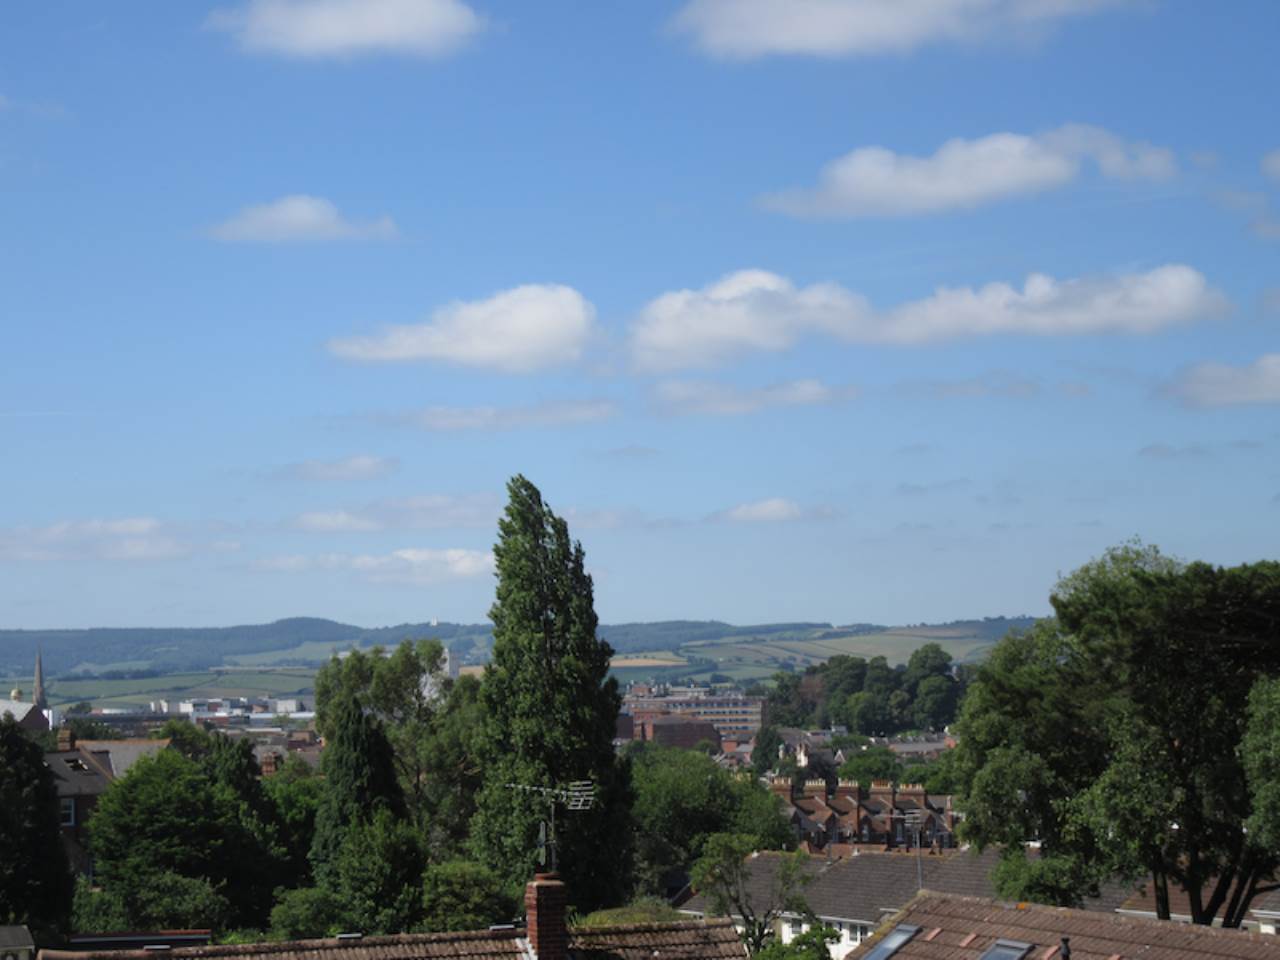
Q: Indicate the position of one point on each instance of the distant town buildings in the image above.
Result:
(735, 716)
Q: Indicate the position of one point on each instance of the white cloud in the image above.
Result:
(350, 28)
(552, 414)
(1221, 385)
(299, 218)
(127, 538)
(520, 330)
(772, 510)
(357, 467)
(414, 565)
(424, 512)
(718, 399)
(743, 29)
(995, 383)
(754, 310)
(963, 174)
(1271, 164)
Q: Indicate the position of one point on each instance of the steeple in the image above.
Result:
(37, 691)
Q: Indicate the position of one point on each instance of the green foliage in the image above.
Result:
(169, 837)
(643, 910)
(551, 710)
(360, 779)
(764, 755)
(307, 912)
(810, 945)
(681, 798)
(461, 895)
(454, 772)
(295, 793)
(723, 874)
(35, 879)
(94, 911)
(873, 763)
(1260, 752)
(1115, 735)
(377, 875)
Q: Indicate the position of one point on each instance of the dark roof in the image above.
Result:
(962, 928)
(869, 886)
(79, 773)
(686, 940)
(123, 754)
(19, 937)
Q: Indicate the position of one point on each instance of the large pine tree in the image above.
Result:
(552, 710)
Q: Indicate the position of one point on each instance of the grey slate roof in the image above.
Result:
(123, 754)
(867, 887)
(78, 773)
(16, 938)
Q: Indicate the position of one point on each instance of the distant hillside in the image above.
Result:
(308, 641)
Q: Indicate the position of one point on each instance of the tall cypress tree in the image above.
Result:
(551, 711)
(360, 779)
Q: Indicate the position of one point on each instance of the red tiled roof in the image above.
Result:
(684, 940)
(966, 927)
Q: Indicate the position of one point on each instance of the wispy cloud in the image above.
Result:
(909, 488)
(754, 310)
(719, 399)
(317, 29)
(964, 174)
(1222, 385)
(745, 29)
(125, 538)
(547, 414)
(424, 512)
(996, 383)
(299, 218)
(1254, 207)
(771, 510)
(1271, 164)
(1167, 451)
(520, 330)
(411, 565)
(358, 467)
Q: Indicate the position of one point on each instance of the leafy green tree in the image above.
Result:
(308, 912)
(927, 661)
(723, 873)
(295, 792)
(377, 875)
(404, 689)
(551, 711)
(461, 895)
(35, 878)
(873, 763)
(936, 698)
(764, 755)
(1114, 735)
(454, 769)
(360, 780)
(1260, 752)
(810, 945)
(167, 837)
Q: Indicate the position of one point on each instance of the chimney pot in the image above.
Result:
(546, 901)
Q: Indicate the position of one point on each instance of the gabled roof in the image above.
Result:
(78, 773)
(963, 928)
(687, 940)
(19, 708)
(123, 754)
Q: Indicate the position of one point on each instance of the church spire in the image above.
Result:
(37, 692)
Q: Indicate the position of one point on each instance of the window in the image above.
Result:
(1007, 950)
(67, 809)
(893, 941)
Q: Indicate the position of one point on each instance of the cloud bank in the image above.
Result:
(746, 29)
(318, 29)
(299, 218)
(522, 330)
(681, 397)
(411, 565)
(964, 174)
(754, 310)
(1222, 385)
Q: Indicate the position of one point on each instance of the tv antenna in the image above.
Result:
(577, 795)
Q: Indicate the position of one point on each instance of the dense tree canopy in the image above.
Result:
(1115, 734)
(551, 710)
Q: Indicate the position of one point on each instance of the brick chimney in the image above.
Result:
(66, 739)
(545, 904)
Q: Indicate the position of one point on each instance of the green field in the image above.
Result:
(293, 681)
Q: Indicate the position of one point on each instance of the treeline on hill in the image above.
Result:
(425, 814)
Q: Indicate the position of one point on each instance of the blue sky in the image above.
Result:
(847, 310)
